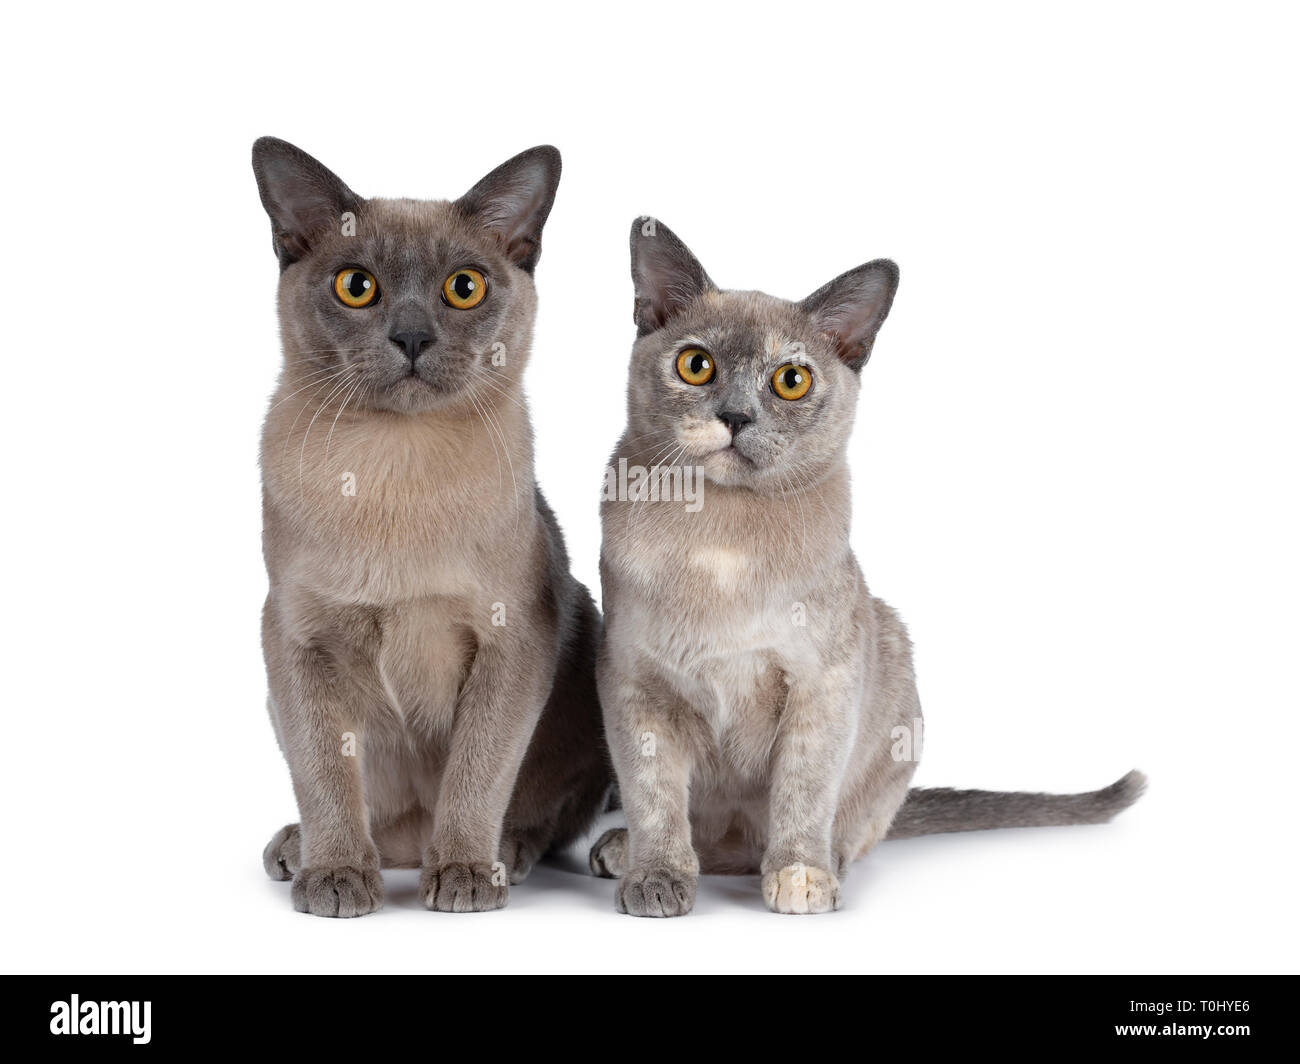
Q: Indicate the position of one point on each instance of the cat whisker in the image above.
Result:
(486, 378)
(346, 399)
(505, 447)
(653, 464)
(797, 492)
(319, 386)
(302, 453)
(478, 409)
(320, 379)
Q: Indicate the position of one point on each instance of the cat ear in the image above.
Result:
(666, 276)
(303, 197)
(850, 309)
(513, 201)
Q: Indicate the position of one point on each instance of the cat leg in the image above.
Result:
(565, 778)
(812, 747)
(653, 754)
(520, 850)
(496, 713)
(315, 704)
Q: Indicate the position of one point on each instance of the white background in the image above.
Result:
(1074, 459)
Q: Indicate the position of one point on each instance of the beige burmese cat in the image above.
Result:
(422, 632)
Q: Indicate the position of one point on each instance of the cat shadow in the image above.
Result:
(554, 873)
(568, 873)
(402, 889)
(559, 869)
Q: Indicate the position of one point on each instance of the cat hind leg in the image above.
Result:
(608, 857)
(283, 854)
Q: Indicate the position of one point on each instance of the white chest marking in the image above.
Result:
(727, 567)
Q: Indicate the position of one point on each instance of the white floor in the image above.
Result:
(1127, 897)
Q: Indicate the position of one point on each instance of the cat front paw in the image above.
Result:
(801, 889)
(342, 891)
(655, 892)
(465, 888)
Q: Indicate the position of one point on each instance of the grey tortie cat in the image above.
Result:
(422, 627)
(759, 702)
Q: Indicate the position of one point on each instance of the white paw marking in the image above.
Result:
(801, 889)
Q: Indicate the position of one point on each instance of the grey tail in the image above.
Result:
(935, 810)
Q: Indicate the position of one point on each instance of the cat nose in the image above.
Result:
(411, 342)
(735, 420)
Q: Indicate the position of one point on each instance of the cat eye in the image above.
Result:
(355, 287)
(464, 289)
(695, 366)
(792, 381)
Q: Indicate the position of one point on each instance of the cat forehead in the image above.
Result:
(752, 323)
(392, 225)
(755, 312)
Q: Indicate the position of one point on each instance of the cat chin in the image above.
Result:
(410, 395)
(728, 468)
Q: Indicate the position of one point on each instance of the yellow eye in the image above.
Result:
(464, 289)
(792, 381)
(695, 366)
(355, 288)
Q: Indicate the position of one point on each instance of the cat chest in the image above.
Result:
(734, 671)
(425, 654)
(739, 699)
(740, 690)
(718, 656)
(390, 518)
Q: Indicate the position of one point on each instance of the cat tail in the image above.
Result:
(935, 810)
